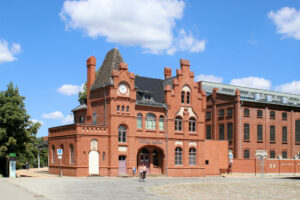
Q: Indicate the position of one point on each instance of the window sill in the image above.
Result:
(246, 115)
(179, 133)
(259, 117)
(284, 142)
(123, 144)
(139, 130)
(260, 141)
(161, 131)
(297, 143)
(272, 142)
(150, 130)
(246, 140)
(193, 133)
(272, 118)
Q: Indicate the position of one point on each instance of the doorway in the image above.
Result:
(94, 163)
(122, 165)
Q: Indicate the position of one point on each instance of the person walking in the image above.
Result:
(143, 171)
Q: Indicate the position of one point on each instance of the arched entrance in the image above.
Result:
(153, 158)
(94, 163)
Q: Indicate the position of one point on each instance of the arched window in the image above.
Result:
(272, 115)
(178, 156)
(182, 96)
(139, 121)
(259, 132)
(246, 112)
(71, 154)
(192, 156)
(178, 123)
(122, 133)
(246, 132)
(188, 97)
(161, 123)
(150, 121)
(94, 145)
(284, 134)
(272, 134)
(53, 154)
(192, 125)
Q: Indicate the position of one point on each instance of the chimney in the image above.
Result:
(184, 63)
(168, 72)
(91, 75)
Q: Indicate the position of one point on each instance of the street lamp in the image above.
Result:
(261, 154)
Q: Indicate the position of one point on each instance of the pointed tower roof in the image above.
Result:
(111, 62)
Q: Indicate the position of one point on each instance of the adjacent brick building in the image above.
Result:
(128, 120)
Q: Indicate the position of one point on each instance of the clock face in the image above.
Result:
(122, 89)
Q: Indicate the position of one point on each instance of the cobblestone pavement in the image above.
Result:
(159, 188)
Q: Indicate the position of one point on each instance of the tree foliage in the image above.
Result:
(17, 132)
(82, 96)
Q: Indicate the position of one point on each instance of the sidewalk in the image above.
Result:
(35, 172)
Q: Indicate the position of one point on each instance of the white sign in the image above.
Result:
(59, 157)
(59, 152)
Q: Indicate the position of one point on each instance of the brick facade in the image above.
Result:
(128, 121)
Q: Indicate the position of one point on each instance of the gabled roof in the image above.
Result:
(111, 62)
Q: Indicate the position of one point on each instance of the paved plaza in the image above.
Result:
(155, 188)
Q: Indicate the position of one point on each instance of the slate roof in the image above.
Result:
(80, 107)
(112, 61)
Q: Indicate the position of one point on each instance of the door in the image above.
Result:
(122, 165)
(94, 163)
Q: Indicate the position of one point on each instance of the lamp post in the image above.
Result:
(261, 154)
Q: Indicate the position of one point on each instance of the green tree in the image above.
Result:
(17, 132)
(82, 96)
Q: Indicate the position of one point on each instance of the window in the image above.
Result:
(259, 133)
(118, 108)
(284, 116)
(192, 156)
(178, 156)
(94, 145)
(94, 118)
(208, 115)
(246, 112)
(161, 123)
(178, 123)
(155, 158)
(272, 133)
(208, 132)
(229, 112)
(221, 113)
(284, 134)
(259, 113)
(221, 132)
(272, 154)
(53, 154)
(246, 132)
(246, 154)
(71, 154)
(297, 131)
(188, 98)
(182, 96)
(139, 120)
(127, 108)
(284, 154)
(81, 119)
(122, 133)
(103, 155)
(150, 121)
(272, 115)
(192, 125)
(229, 131)
(123, 107)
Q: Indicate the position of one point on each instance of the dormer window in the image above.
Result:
(147, 97)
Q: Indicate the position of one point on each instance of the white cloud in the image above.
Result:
(287, 21)
(210, 78)
(69, 119)
(36, 120)
(187, 42)
(253, 82)
(293, 87)
(148, 23)
(69, 89)
(53, 115)
(6, 54)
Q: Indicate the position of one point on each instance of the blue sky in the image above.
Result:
(44, 45)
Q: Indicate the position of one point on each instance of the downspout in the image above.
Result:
(105, 115)
(240, 133)
(166, 152)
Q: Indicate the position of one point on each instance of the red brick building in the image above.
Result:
(253, 119)
(128, 120)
